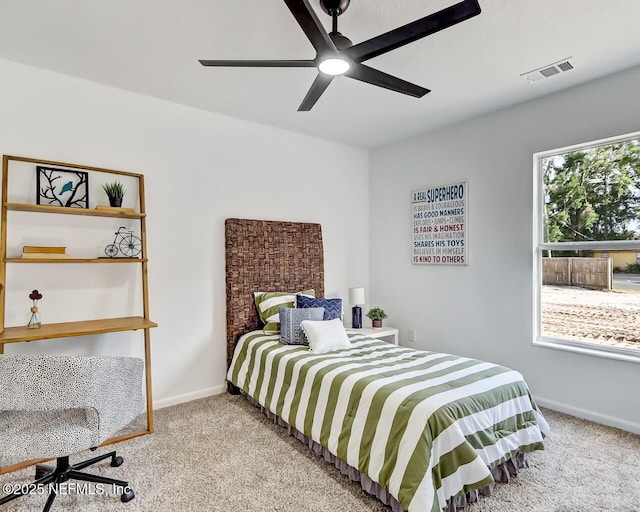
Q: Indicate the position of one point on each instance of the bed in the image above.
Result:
(422, 431)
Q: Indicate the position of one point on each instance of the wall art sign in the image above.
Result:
(439, 225)
(62, 187)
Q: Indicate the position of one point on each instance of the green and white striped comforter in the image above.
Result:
(424, 425)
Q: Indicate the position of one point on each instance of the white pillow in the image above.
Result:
(325, 336)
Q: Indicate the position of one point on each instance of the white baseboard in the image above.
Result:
(187, 397)
(611, 421)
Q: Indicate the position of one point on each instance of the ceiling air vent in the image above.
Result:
(549, 70)
(565, 66)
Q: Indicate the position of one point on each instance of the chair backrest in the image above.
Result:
(88, 399)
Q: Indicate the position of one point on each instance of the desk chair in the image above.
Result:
(53, 407)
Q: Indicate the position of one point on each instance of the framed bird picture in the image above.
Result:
(62, 187)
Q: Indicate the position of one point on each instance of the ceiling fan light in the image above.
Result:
(334, 66)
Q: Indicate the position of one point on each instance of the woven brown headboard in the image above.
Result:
(265, 256)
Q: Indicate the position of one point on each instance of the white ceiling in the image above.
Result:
(152, 46)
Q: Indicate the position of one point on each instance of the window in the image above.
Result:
(586, 248)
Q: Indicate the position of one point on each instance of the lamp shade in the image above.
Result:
(356, 296)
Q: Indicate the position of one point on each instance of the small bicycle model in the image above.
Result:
(129, 245)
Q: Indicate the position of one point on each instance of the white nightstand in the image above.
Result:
(378, 332)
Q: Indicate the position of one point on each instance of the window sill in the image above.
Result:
(620, 354)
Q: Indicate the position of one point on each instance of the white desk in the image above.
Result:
(378, 332)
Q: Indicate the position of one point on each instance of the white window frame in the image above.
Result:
(540, 245)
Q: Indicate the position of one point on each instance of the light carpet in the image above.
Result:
(222, 454)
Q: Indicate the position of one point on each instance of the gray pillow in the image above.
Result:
(290, 318)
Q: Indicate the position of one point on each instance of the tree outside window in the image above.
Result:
(587, 228)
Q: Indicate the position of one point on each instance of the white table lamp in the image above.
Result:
(356, 297)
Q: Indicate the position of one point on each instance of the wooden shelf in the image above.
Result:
(88, 327)
(21, 465)
(39, 208)
(69, 329)
(76, 260)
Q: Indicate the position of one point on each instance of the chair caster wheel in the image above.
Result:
(117, 461)
(127, 496)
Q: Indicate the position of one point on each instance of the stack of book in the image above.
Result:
(44, 252)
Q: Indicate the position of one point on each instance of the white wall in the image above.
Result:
(484, 310)
(199, 168)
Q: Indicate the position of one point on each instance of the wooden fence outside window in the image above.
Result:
(594, 273)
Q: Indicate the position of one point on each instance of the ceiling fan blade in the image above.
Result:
(311, 26)
(375, 77)
(413, 31)
(260, 63)
(318, 86)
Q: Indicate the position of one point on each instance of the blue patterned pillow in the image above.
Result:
(332, 307)
(290, 331)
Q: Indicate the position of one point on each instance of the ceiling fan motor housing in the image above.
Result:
(340, 41)
(334, 6)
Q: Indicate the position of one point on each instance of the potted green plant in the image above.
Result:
(115, 192)
(377, 315)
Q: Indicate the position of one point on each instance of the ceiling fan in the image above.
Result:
(337, 55)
